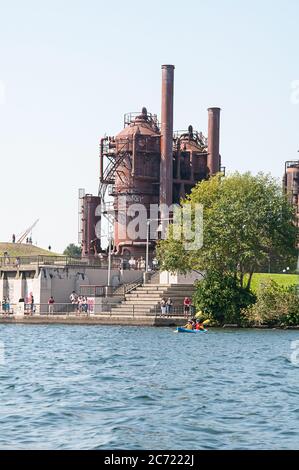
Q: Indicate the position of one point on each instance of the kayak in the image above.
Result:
(180, 329)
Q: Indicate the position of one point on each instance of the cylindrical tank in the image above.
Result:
(190, 162)
(90, 225)
(213, 140)
(136, 181)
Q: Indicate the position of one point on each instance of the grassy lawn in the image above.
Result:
(282, 279)
(20, 249)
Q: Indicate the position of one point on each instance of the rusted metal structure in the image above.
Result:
(149, 163)
(214, 160)
(90, 221)
(166, 158)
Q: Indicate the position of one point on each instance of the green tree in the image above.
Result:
(73, 251)
(221, 298)
(245, 219)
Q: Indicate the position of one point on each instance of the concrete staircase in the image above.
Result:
(145, 299)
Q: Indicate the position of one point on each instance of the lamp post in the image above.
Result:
(109, 257)
(148, 224)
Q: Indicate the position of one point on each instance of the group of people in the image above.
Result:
(29, 304)
(167, 306)
(194, 324)
(5, 305)
(137, 263)
(80, 302)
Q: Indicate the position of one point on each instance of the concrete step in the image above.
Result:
(159, 291)
(170, 285)
(164, 289)
(136, 308)
(130, 313)
(155, 295)
(148, 301)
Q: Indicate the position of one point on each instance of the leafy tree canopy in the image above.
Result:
(246, 218)
(73, 251)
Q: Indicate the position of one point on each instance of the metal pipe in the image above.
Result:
(133, 154)
(147, 245)
(166, 177)
(109, 258)
(101, 159)
(213, 140)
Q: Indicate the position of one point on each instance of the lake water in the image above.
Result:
(97, 387)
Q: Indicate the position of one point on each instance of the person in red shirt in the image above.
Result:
(51, 302)
(199, 325)
(187, 303)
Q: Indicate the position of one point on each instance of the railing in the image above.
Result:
(36, 261)
(88, 308)
(17, 261)
(174, 311)
(93, 291)
(85, 308)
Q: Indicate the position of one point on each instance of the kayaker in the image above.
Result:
(189, 325)
(199, 325)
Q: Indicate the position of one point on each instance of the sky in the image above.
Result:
(70, 70)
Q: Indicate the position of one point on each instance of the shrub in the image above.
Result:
(220, 297)
(276, 305)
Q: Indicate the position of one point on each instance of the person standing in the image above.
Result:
(142, 263)
(14, 238)
(31, 303)
(74, 300)
(51, 303)
(187, 303)
(132, 263)
(163, 307)
(169, 305)
(121, 266)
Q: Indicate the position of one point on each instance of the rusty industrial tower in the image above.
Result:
(148, 163)
(291, 187)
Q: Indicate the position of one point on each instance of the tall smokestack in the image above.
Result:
(166, 176)
(213, 140)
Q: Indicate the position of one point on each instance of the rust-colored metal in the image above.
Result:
(291, 187)
(148, 163)
(214, 163)
(90, 220)
(190, 162)
(166, 136)
(136, 176)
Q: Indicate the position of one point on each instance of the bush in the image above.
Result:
(220, 297)
(276, 305)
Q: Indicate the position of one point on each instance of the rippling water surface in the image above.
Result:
(96, 387)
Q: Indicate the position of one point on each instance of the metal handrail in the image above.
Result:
(87, 309)
(16, 261)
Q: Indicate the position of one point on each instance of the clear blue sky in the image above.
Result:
(70, 69)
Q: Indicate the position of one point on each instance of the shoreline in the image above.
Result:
(93, 320)
(123, 321)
